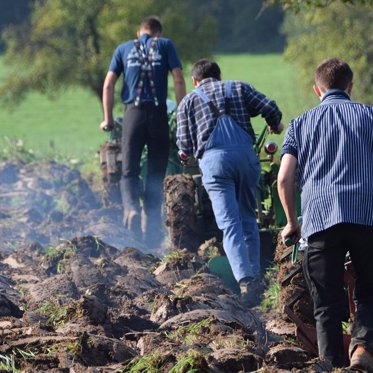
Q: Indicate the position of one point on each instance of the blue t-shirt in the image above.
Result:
(126, 60)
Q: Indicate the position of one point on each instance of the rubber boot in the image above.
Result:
(131, 206)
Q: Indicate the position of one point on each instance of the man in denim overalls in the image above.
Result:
(213, 125)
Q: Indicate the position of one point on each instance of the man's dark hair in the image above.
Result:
(153, 24)
(333, 73)
(205, 68)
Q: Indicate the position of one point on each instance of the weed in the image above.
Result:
(146, 364)
(92, 342)
(231, 341)
(173, 255)
(51, 252)
(25, 354)
(189, 333)
(8, 364)
(57, 314)
(15, 149)
(70, 251)
(99, 245)
(272, 294)
(74, 348)
(189, 363)
(212, 251)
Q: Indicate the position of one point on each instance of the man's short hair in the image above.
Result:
(205, 68)
(152, 24)
(333, 73)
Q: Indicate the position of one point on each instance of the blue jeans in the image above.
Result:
(231, 176)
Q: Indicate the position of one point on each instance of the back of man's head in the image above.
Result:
(333, 73)
(151, 24)
(205, 68)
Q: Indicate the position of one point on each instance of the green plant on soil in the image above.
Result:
(57, 256)
(99, 245)
(173, 255)
(57, 314)
(51, 252)
(146, 364)
(25, 355)
(272, 294)
(188, 363)
(188, 334)
(15, 150)
(8, 364)
(74, 348)
(212, 251)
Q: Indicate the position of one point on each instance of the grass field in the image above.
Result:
(69, 125)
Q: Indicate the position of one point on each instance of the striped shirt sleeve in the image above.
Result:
(289, 145)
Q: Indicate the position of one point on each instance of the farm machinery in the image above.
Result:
(189, 215)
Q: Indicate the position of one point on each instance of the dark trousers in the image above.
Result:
(145, 125)
(323, 266)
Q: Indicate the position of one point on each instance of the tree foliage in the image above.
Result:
(340, 30)
(246, 26)
(297, 5)
(11, 12)
(70, 42)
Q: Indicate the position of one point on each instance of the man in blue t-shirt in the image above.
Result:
(144, 63)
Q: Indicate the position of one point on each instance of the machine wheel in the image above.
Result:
(111, 173)
(293, 288)
(181, 219)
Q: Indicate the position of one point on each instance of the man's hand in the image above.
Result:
(291, 230)
(183, 158)
(276, 130)
(106, 126)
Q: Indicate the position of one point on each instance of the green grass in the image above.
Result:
(69, 124)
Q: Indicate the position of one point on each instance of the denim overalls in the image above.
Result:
(230, 173)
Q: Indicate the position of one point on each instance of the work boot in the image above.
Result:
(361, 359)
(132, 221)
(251, 290)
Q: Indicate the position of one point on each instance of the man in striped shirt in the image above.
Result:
(213, 125)
(330, 148)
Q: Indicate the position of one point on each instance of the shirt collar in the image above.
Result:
(335, 94)
(144, 37)
(207, 80)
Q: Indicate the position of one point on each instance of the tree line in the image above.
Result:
(53, 44)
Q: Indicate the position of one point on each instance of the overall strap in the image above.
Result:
(228, 92)
(207, 101)
(145, 61)
(227, 103)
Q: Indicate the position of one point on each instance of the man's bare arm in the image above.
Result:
(108, 99)
(179, 84)
(286, 191)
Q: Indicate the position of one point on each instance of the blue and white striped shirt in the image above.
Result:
(196, 121)
(333, 144)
